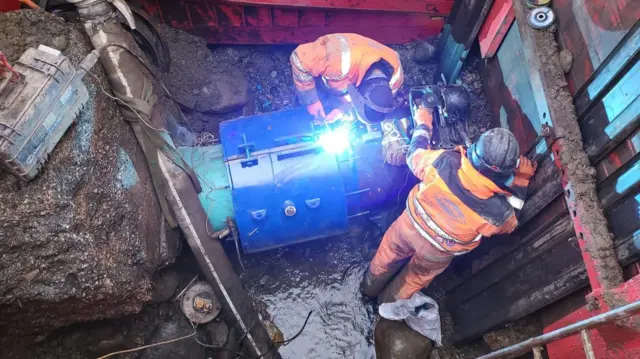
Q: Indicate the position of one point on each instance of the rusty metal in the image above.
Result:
(230, 22)
(595, 242)
(608, 340)
(593, 322)
(429, 6)
(200, 304)
(495, 27)
(9, 5)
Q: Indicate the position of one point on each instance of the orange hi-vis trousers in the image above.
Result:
(403, 244)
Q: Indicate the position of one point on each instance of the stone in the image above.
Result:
(218, 332)
(82, 240)
(164, 286)
(395, 340)
(177, 327)
(566, 60)
(60, 43)
(424, 52)
(196, 81)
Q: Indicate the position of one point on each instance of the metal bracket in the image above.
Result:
(236, 239)
(247, 147)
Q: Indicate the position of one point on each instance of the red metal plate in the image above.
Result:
(229, 22)
(495, 27)
(614, 340)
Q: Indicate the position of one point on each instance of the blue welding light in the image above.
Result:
(335, 141)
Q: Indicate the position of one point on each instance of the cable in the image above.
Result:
(285, 342)
(148, 346)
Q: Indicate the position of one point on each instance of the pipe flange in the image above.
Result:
(200, 303)
(541, 17)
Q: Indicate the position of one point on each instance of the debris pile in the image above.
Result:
(80, 241)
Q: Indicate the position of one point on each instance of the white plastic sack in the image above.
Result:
(419, 312)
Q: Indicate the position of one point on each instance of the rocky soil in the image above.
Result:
(82, 240)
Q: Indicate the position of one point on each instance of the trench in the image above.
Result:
(321, 277)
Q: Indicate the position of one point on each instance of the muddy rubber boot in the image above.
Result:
(395, 340)
(372, 285)
(390, 292)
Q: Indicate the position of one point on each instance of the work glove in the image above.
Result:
(394, 144)
(524, 171)
(316, 110)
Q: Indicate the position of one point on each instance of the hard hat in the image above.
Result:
(372, 100)
(495, 154)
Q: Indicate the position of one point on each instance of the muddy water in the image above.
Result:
(322, 276)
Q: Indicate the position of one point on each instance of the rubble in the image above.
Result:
(424, 52)
(196, 81)
(80, 241)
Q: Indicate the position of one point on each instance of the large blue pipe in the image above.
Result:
(281, 186)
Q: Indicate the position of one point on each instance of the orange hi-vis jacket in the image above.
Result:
(340, 60)
(454, 206)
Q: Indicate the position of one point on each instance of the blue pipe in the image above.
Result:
(282, 187)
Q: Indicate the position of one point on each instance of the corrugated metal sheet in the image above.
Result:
(509, 277)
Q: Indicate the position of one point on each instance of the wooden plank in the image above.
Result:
(495, 27)
(500, 247)
(528, 249)
(545, 279)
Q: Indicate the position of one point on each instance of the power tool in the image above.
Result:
(450, 105)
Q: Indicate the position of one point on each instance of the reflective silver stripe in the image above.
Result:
(296, 62)
(302, 75)
(325, 81)
(515, 202)
(426, 235)
(434, 226)
(345, 61)
(430, 223)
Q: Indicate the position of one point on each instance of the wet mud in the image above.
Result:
(322, 276)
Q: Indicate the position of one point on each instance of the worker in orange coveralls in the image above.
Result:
(464, 195)
(362, 73)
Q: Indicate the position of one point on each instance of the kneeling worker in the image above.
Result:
(464, 195)
(360, 73)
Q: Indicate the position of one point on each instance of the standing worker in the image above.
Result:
(464, 195)
(337, 64)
